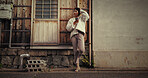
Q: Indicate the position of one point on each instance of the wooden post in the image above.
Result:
(23, 26)
(77, 3)
(0, 31)
(90, 32)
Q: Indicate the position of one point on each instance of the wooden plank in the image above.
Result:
(63, 38)
(63, 16)
(54, 33)
(23, 26)
(80, 3)
(41, 31)
(49, 32)
(69, 12)
(28, 24)
(63, 26)
(6, 27)
(68, 38)
(83, 3)
(0, 31)
(27, 9)
(24, 2)
(86, 30)
(63, 12)
(15, 2)
(35, 29)
(9, 1)
(45, 32)
(19, 22)
(51, 47)
(26, 14)
(14, 12)
(3, 1)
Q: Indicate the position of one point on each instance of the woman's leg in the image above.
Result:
(75, 43)
(81, 47)
(81, 44)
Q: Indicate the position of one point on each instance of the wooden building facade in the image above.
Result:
(38, 23)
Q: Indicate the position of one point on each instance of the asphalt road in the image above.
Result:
(81, 74)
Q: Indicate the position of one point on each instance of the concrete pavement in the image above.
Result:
(81, 74)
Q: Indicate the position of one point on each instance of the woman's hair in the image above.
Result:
(78, 9)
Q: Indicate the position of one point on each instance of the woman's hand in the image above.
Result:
(76, 22)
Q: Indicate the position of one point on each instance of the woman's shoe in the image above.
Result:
(77, 69)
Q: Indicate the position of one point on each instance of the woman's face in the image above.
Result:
(75, 13)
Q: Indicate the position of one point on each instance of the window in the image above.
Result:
(46, 9)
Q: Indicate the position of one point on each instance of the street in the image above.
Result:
(72, 74)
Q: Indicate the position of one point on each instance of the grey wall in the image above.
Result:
(120, 36)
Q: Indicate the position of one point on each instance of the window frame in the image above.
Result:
(42, 10)
(33, 19)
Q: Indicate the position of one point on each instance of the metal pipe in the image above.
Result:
(11, 27)
(90, 32)
(22, 56)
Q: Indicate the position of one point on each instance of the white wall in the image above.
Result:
(120, 33)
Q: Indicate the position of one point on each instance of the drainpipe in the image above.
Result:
(22, 56)
(11, 26)
(90, 32)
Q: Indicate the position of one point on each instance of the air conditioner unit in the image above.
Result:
(5, 11)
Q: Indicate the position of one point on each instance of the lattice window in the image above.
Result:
(46, 9)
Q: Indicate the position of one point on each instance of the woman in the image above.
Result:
(76, 26)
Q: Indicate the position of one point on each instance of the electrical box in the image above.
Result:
(5, 11)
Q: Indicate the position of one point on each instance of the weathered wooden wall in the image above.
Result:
(5, 25)
(22, 21)
(21, 24)
(66, 10)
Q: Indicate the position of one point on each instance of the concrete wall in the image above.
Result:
(120, 36)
